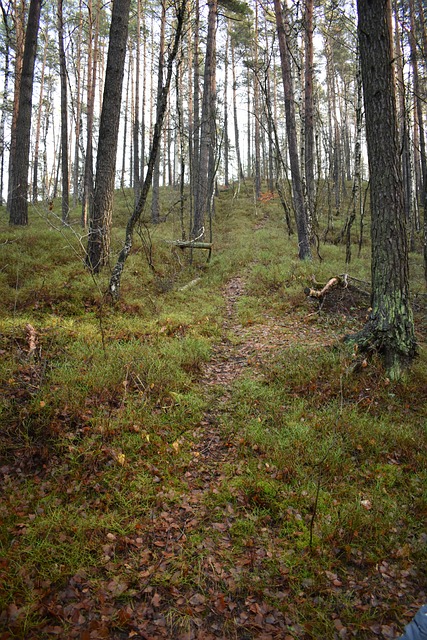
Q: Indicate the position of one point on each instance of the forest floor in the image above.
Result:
(228, 528)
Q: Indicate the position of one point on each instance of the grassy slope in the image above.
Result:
(328, 472)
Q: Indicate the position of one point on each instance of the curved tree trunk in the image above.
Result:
(115, 280)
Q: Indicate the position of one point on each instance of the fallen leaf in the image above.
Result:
(155, 600)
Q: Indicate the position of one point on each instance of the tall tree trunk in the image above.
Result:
(92, 67)
(6, 76)
(102, 210)
(155, 202)
(390, 328)
(204, 182)
(38, 124)
(64, 118)
(144, 97)
(226, 138)
(20, 162)
(257, 111)
(115, 280)
(19, 25)
(125, 124)
(249, 120)
(308, 108)
(136, 109)
(235, 118)
(301, 219)
(190, 126)
(77, 111)
(403, 120)
(195, 157)
(418, 107)
(355, 193)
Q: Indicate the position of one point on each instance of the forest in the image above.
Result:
(213, 319)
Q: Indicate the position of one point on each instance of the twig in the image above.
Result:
(31, 338)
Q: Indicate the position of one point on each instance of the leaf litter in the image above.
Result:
(180, 573)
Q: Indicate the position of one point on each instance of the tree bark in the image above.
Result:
(308, 108)
(235, 118)
(19, 44)
(64, 118)
(155, 202)
(207, 125)
(35, 189)
(92, 66)
(6, 76)
(422, 139)
(291, 130)
(390, 328)
(115, 280)
(226, 139)
(20, 163)
(102, 209)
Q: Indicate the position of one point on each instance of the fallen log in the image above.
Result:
(191, 244)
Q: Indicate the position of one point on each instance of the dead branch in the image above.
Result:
(31, 339)
(344, 280)
(320, 293)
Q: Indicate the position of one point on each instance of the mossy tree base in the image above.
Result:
(389, 332)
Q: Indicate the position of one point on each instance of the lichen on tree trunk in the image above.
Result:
(390, 327)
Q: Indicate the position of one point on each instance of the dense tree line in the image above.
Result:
(220, 91)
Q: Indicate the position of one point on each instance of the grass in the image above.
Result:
(324, 490)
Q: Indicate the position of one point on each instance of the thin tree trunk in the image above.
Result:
(144, 97)
(226, 138)
(235, 118)
(136, 109)
(38, 124)
(64, 117)
(297, 188)
(6, 75)
(355, 194)
(155, 202)
(78, 129)
(403, 117)
(308, 108)
(92, 67)
(125, 125)
(195, 158)
(257, 112)
(207, 125)
(418, 107)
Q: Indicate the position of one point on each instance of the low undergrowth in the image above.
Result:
(140, 500)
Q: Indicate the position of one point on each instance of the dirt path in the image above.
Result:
(221, 613)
